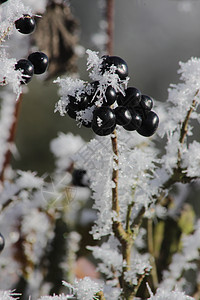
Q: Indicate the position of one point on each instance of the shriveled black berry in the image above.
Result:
(27, 69)
(111, 96)
(2, 242)
(123, 115)
(132, 97)
(146, 103)
(40, 61)
(149, 125)
(118, 62)
(103, 117)
(136, 121)
(25, 24)
(80, 178)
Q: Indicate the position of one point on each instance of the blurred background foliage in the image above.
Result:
(152, 36)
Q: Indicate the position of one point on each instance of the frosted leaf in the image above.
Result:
(191, 160)
(162, 294)
(139, 265)
(86, 288)
(110, 257)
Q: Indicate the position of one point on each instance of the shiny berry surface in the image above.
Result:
(123, 115)
(103, 131)
(146, 102)
(118, 62)
(110, 95)
(132, 97)
(135, 123)
(149, 125)
(25, 24)
(103, 117)
(78, 103)
(27, 69)
(40, 61)
(2, 242)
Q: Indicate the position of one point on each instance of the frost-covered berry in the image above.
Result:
(123, 115)
(149, 125)
(146, 103)
(103, 117)
(2, 242)
(136, 121)
(80, 102)
(40, 61)
(27, 69)
(118, 62)
(25, 24)
(132, 97)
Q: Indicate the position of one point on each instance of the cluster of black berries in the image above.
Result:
(132, 110)
(37, 62)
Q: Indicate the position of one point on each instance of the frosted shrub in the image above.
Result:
(146, 238)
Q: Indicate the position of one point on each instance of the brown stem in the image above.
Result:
(184, 127)
(11, 138)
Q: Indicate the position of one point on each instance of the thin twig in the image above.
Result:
(151, 251)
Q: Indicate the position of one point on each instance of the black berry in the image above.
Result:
(146, 103)
(79, 178)
(25, 24)
(111, 96)
(40, 62)
(2, 242)
(132, 97)
(71, 113)
(27, 69)
(136, 121)
(149, 125)
(80, 102)
(123, 115)
(103, 117)
(102, 131)
(118, 62)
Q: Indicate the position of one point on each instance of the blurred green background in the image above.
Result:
(152, 36)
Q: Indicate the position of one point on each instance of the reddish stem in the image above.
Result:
(11, 138)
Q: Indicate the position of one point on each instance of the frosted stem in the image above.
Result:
(12, 136)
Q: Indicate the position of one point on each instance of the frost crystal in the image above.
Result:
(8, 295)
(169, 295)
